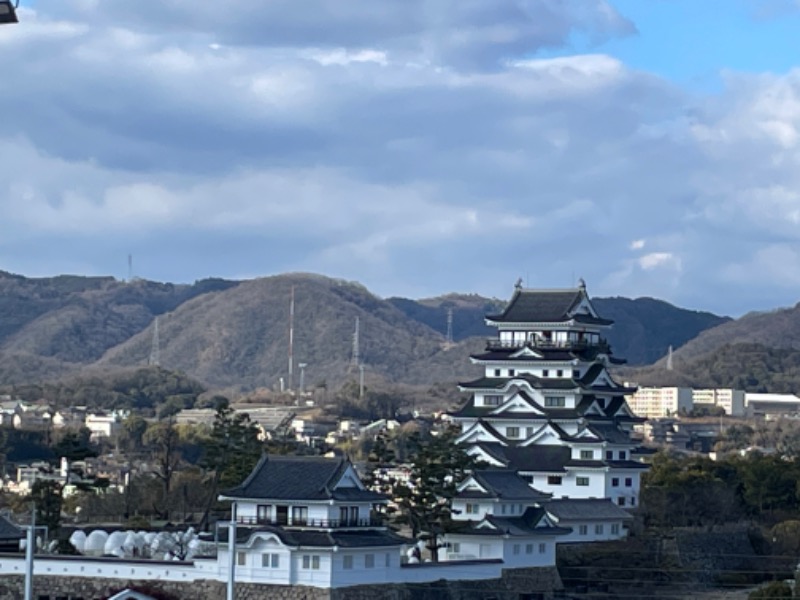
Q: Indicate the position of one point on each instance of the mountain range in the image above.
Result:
(235, 334)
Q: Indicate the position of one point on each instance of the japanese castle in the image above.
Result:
(547, 409)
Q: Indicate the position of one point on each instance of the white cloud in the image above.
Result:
(410, 144)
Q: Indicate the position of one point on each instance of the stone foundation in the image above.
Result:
(513, 585)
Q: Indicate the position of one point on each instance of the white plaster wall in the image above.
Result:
(591, 533)
(359, 574)
(569, 487)
(524, 558)
(105, 569)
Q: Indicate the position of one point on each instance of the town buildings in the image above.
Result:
(660, 402)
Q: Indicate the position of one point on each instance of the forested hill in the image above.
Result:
(643, 331)
(235, 334)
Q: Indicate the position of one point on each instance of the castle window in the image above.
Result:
(347, 561)
(615, 482)
(598, 529)
(270, 560)
(473, 509)
(545, 373)
(497, 372)
(576, 373)
(512, 432)
(369, 561)
(492, 400)
(516, 549)
(622, 454)
(511, 372)
(553, 480)
(542, 548)
(621, 501)
(528, 548)
(582, 481)
(615, 529)
(241, 559)
(560, 373)
(587, 454)
(628, 482)
(311, 561)
(583, 530)
(609, 455)
(555, 401)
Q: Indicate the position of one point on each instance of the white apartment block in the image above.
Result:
(660, 402)
(732, 401)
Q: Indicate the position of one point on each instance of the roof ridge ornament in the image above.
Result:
(581, 284)
(518, 284)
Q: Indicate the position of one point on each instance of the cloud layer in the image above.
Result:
(418, 146)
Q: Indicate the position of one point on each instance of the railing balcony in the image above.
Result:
(312, 523)
(495, 343)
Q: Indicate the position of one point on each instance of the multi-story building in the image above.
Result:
(660, 402)
(546, 406)
(730, 400)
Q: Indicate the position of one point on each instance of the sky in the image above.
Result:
(419, 147)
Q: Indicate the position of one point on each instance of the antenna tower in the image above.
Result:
(450, 326)
(291, 339)
(130, 267)
(669, 359)
(356, 360)
(155, 350)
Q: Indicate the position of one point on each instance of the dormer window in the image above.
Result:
(492, 400)
(512, 432)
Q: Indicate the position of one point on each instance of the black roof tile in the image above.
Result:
(507, 484)
(538, 306)
(584, 509)
(292, 478)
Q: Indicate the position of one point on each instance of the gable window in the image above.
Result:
(347, 561)
(270, 560)
(369, 561)
(492, 400)
(555, 401)
(553, 480)
(582, 481)
(628, 482)
(587, 454)
(512, 432)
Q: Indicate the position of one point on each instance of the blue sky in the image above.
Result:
(420, 147)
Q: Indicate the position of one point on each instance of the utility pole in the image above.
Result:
(232, 554)
(30, 543)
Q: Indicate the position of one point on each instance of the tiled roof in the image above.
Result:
(9, 531)
(292, 478)
(547, 459)
(539, 306)
(321, 539)
(585, 509)
(507, 485)
(524, 525)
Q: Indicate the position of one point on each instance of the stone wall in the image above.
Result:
(86, 588)
(515, 583)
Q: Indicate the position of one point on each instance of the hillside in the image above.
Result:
(234, 335)
(645, 328)
(752, 367)
(643, 331)
(240, 336)
(775, 329)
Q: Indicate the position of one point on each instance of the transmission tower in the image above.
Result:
(356, 360)
(450, 326)
(669, 359)
(155, 349)
(291, 340)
